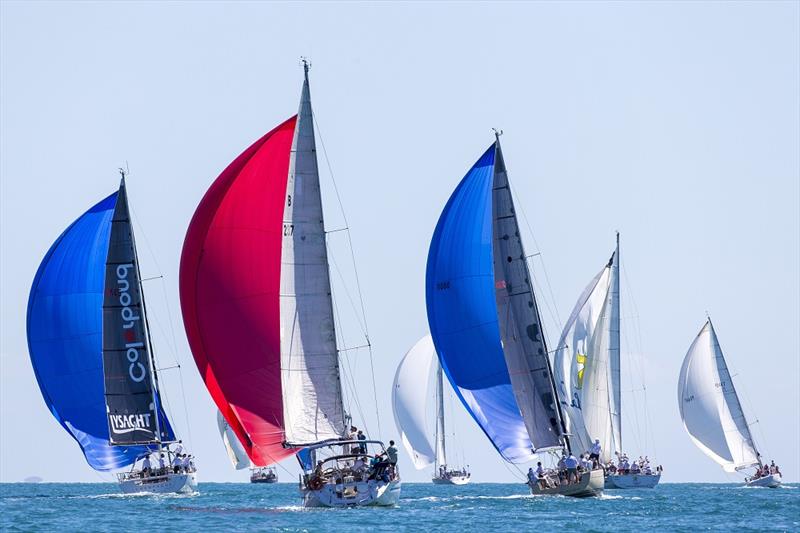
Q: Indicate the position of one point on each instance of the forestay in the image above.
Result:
(410, 401)
(709, 405)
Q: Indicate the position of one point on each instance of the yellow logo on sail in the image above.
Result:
(581, 359)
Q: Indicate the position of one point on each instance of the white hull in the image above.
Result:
(452, 480)
(772, 481)
(590, 484)
(632, 481)
(166, 484)
(353, 494)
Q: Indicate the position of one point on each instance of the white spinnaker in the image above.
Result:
(410, 395)
(709, 406)
(236, 452)
(312, 391)
(581, 396)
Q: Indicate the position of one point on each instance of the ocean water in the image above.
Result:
(424, 507)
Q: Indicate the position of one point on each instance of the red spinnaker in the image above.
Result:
(229, 284)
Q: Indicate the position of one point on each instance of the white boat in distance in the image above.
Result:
(410, 406)
(712, 413)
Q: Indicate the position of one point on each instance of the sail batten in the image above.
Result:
(709, 406)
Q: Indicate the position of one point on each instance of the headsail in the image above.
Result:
(410, 404)
(462, 312)
(587, 366)
(709, 405)
(236, 453)
(133, 405)
(65, 335)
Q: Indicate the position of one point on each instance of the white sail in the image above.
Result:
(410, 396)
(587, 365)
(312, 392)
(236, 452)
(709, 406)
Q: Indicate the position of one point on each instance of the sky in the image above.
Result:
(677, 124)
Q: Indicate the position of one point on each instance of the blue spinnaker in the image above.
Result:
(462, 312)
(65, 321)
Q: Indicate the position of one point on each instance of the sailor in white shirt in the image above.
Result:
(177, 463)
(594, 452)
(161, 464)
(586, 463)
(179, 448)
(146, 464)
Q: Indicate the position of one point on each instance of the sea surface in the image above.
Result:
(423, 507)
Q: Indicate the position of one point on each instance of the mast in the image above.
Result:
(151, 359)
(614, 351)
(440, 431)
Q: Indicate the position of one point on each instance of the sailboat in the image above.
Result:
(91, 349)
(587, 370)
(238, 456)
(258, 312)
(410, 409)
(485, 323)
(711, 411)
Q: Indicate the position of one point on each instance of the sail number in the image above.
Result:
(288, 230)
(442, 285)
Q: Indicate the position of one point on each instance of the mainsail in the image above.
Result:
(709, 405)
(312, 396)
(233, 447)
(586, 364)
(66, 332)
(410, 404)
(255, 295)
(484, 319)
(521, 331)
(131, 391)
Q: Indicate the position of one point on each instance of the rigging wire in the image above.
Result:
(174, 346)
(518, 204)
(350, 385)
(639, 349)
(355, 269)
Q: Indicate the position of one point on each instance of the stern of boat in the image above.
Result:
(589, 485)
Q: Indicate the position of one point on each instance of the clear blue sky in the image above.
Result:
(675, 123)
